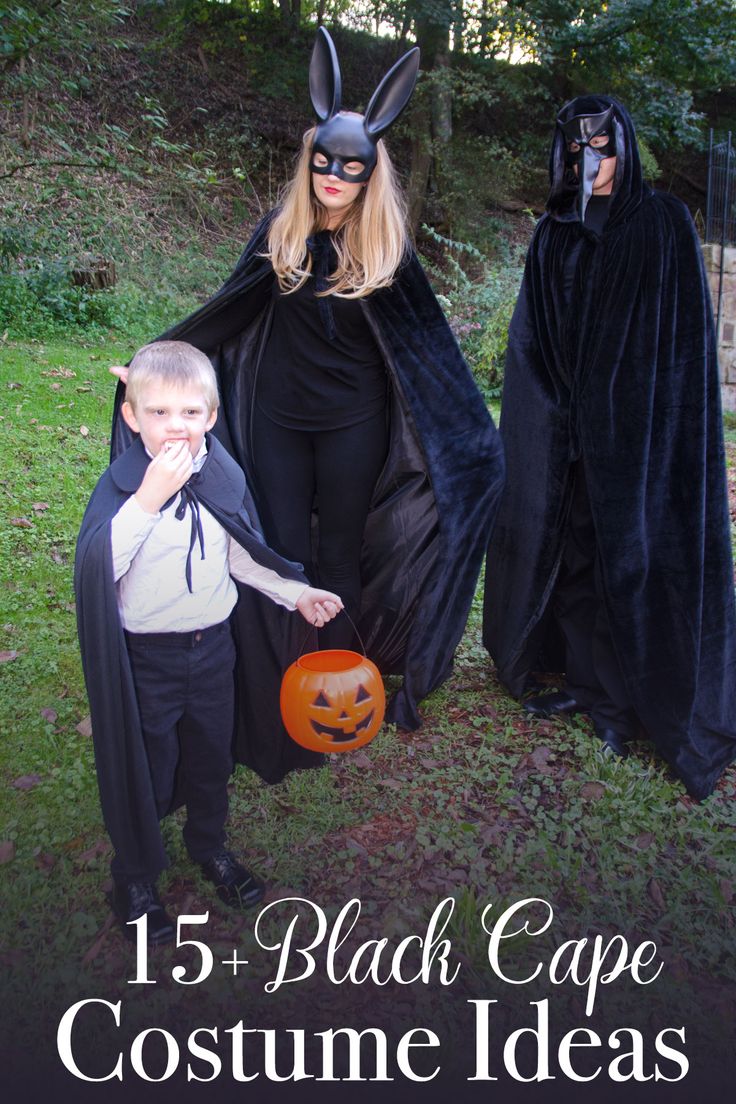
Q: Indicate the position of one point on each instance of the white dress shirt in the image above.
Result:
(149, 553)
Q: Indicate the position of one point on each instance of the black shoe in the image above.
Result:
(556, 704)
(236, 886)
(613, 741)
(131, 900)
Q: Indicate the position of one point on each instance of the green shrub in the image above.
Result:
(38, 298)
(42, 303)
(478, 298)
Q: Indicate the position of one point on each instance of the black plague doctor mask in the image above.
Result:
(580, 130)
(343, 137)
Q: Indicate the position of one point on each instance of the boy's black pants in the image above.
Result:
(185, 691)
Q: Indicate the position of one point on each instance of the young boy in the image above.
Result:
(164, 534)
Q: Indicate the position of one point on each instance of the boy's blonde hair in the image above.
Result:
(370, 244)
(176, 363)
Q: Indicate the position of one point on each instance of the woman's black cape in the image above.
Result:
(627, 380)
(431, 515)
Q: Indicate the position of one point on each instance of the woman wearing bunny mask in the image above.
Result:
(367, 446)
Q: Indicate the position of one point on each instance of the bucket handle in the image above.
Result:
(313, 628)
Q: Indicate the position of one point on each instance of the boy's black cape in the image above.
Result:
(627, 380)
(433, 505)
(126, 792)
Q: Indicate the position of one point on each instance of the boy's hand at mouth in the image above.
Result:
(165, 475)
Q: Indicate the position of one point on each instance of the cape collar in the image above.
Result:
(219, 482)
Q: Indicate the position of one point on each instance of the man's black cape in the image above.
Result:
(625, 379)
(432, 508)
(126, 791)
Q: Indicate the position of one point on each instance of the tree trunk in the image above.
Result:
(458, 28)
(95, 273)
(291, 12)
(421, 157)
(484, 31)
(432, 24)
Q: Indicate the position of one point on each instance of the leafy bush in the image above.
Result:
(479, 307)
(41, 302)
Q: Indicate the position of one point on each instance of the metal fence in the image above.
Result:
(720, 211)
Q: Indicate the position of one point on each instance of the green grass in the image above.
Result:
(481, 804)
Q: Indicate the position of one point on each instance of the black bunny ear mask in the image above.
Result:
(343, 137)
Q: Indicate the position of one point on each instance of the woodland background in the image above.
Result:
(150, 135)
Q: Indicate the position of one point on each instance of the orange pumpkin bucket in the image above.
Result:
(332, 700)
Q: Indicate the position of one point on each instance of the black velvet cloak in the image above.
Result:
(432, 509)
(126, 790)
(625, 379)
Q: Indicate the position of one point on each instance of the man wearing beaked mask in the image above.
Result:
(611, 559)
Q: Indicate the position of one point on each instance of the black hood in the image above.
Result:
(628, 188)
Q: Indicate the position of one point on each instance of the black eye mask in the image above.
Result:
(343, 137)
(581, 129)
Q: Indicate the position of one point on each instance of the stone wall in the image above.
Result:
(727, 336)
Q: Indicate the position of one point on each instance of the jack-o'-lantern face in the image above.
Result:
(332, 700)
(342, 720)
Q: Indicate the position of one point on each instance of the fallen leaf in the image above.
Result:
(45, 861)
(13, 386)
(6, 657)
(285, 807)
(26, 781)
(540, 756)
(656, 895)
(21, 523)
(39, 507)
(592, 791)
(646, 839)
(96, 947)
(100, 847)
(84, 431)
(49, 715)
(56, 387)
(84, 728)
(7, 851)
(726, 888)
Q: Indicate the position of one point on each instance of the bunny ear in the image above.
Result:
(392, 94)
(325, 84)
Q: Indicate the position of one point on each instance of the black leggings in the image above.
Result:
(340, 467)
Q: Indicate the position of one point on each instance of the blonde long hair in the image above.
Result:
(370, 243)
